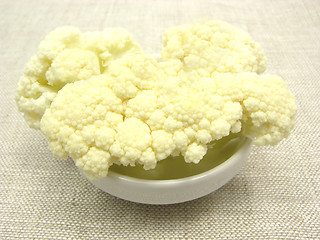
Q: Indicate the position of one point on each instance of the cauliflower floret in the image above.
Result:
(79, 119)
(56, 41)
(110, 44)
(132, 73)
(142, 106)
(213, 47)
(162, 144)
(73, 65)
(195, 153)
(269, 108)
(66, 56)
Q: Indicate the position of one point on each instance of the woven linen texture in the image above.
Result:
(277, 193)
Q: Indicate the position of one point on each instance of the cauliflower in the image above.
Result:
(67, 56)
(213, 47)
(100, 100)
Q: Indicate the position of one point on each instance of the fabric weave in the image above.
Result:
(276, 194)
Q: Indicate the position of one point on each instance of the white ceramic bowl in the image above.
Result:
(177, 190)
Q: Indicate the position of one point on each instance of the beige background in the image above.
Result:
(276, 194)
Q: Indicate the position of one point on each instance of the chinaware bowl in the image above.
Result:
(150, 191)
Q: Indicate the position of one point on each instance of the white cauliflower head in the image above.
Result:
(116, 105)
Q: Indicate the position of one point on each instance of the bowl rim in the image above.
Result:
(215, 170)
